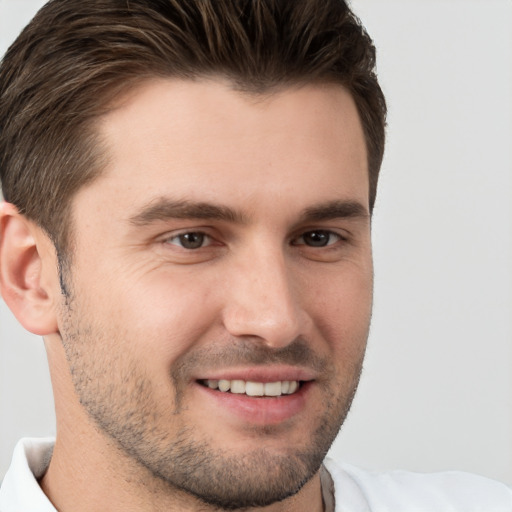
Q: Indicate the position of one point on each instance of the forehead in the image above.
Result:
(214, 109)
(189, 138)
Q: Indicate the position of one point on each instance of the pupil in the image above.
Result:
(192, 240)
(317, 238)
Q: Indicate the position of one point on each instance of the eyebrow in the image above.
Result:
(164, 209)
(337, 209)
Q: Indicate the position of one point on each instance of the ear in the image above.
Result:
(28, 271)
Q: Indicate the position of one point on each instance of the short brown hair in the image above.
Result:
(76, 56)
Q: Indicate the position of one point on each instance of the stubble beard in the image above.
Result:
(127, 413)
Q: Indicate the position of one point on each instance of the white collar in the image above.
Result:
(20, 489)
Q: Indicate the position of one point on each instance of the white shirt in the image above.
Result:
(355, 490)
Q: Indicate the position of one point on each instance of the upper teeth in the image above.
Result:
(285, 387)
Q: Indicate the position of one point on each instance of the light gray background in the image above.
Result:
(437, 389)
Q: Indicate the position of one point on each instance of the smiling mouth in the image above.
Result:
(256, 389)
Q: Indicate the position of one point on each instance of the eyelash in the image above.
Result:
(319, 234)
(182, 236)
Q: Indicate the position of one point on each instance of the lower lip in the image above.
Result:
(260, 410)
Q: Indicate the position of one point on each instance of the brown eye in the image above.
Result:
(318, 238)
(192, 240)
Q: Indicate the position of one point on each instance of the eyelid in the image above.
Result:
(167, 238)
(207, 240)
(329, 231)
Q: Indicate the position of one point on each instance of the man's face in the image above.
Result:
(224, 254)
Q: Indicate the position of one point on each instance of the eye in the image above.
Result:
(318, 238)
(191, 240)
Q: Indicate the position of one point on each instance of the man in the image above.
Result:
(189, 188)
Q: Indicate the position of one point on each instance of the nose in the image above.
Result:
(263, 300)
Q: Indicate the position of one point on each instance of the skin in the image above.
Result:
(147, 319)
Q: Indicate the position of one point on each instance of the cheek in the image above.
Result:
(165, 316)
(341, 310)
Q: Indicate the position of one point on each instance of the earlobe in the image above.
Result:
(23, 255)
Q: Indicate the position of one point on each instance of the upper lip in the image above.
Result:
(260, 374)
